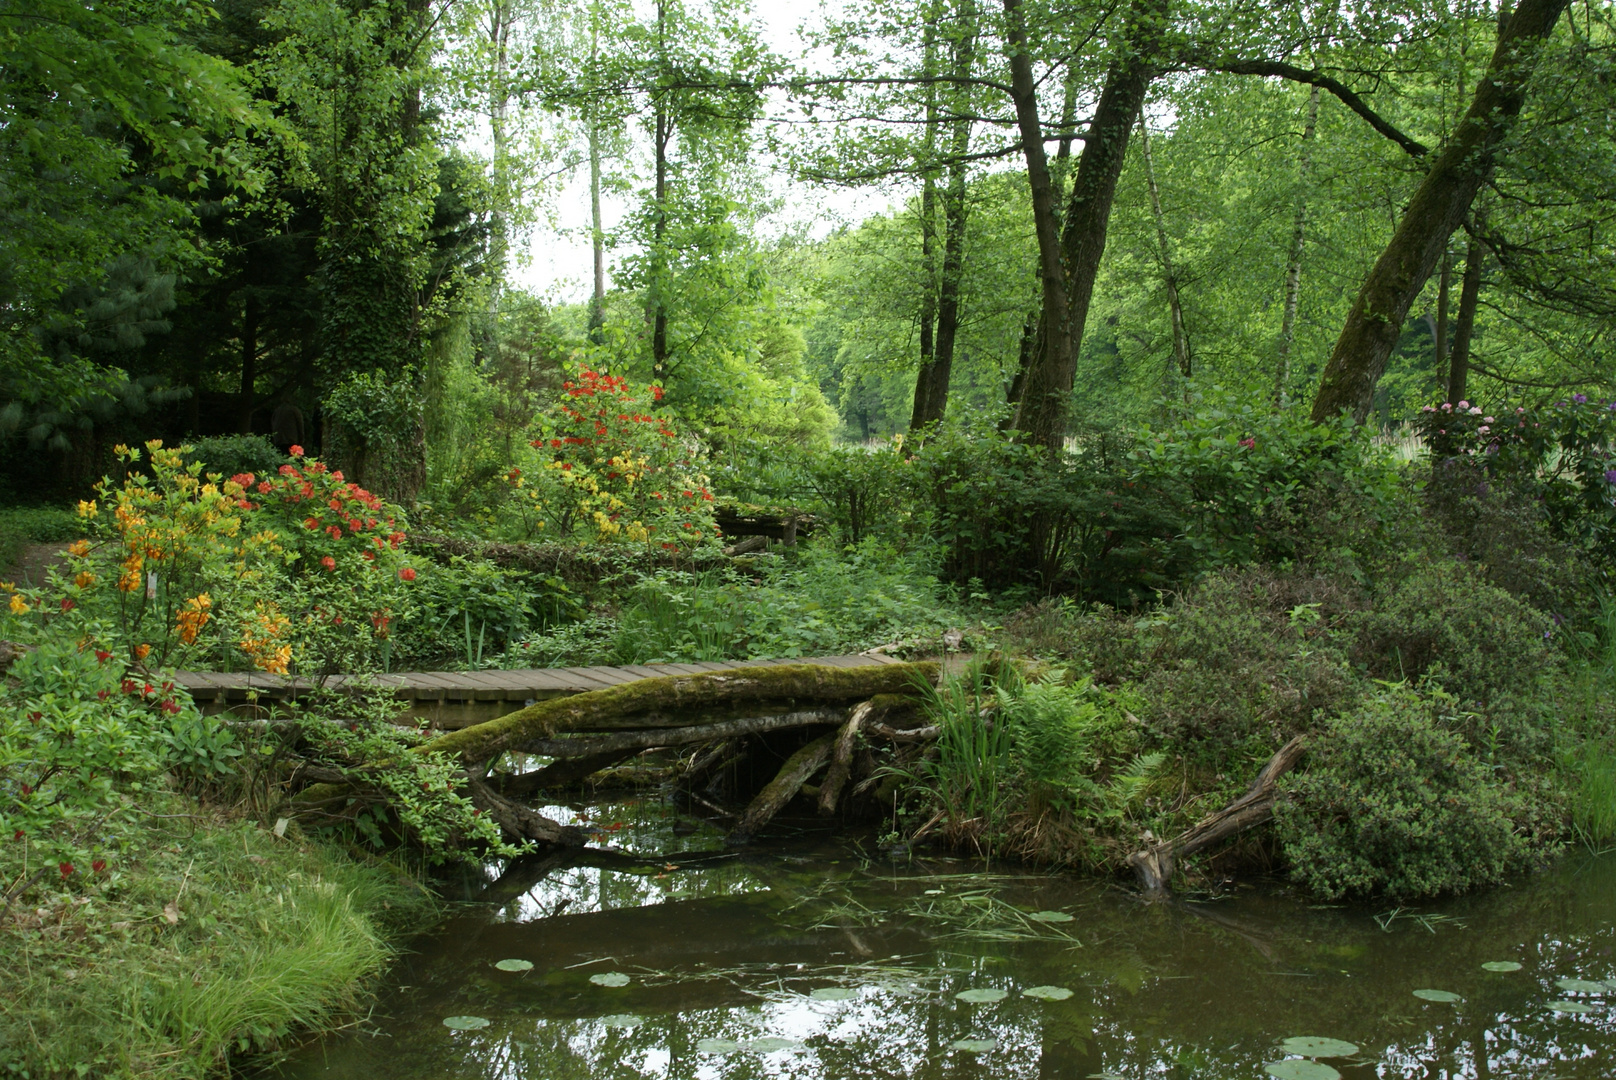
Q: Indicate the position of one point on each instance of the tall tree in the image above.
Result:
(1437, 207)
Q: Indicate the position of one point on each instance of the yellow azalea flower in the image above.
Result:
(84, 579)
(19, 606)
(79, 548)
(88, 509)
(142, 651)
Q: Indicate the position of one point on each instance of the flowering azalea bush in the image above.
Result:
(79, 738)
(1561, 456)
(604, 468)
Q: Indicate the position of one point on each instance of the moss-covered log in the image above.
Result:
(841, 757)
(779, 791)
(685, 736)
(763, 689)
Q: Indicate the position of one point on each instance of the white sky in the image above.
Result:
(555, 262)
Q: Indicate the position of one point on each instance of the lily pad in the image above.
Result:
(1444, 996)
(973, 1046)
(833, 993)
(622, 1020)
(720, 1047)
(1580, 986)
(464, 1023)
(1051, 916)
(515, 965)
(982, 995)
(1106, 1076)
(1501, 965)
(1047, 993)
(771, 1044)
(1317, 1046)
(609, 978)
(1578, 1007)
(1300, 1069)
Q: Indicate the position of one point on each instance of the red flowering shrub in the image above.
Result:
(605, 468)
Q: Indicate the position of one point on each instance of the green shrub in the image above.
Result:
(232, 455)
(1440, 617)
(1394, 801)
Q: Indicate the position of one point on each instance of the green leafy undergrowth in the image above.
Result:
(1393, 800)
(207, 939)
(817, 602)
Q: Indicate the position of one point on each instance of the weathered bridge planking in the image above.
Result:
(457, 699)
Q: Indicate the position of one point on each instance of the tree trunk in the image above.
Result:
(1464, 327)
(1046, 396)
(1293, 268)
(1175, 310)
(1439, 330)
(954, 213)
(659, 237)
(1041, 413)
(1438, 206)
(928, 239)
(597, 231)
(249, 363)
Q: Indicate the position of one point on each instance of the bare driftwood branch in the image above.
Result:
(518, 822)
(841, 758)
(560, 774)
(779, 791)
(1155, 864)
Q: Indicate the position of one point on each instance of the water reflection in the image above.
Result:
(724, 953)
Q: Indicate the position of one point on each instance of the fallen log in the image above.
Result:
(521, 823)
(644, 740)
(779, 791)
(785, 687)
(703, 764)
(841, 757)
(1155, 864)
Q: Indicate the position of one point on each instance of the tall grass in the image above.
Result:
(1589, 753)
(273, 937)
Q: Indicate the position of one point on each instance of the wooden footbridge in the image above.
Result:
(450, 700)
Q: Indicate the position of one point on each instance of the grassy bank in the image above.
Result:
(205, 940)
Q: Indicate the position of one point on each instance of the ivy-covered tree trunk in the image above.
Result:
(1438, 207)
(1465, 325)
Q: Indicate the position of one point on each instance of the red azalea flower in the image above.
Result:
(68, 603)
(102, 656)
(66, 869)
(99, 865)
(328, 562)
(263, 487)
(295, 451)
(407, 574)
(17, 835)
(334, 531)
(101, 694)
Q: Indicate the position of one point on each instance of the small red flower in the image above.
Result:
(99, 866)
(263, 487)
(310, 523)
(329, 563)
(295, 451)
(17, 835)
(407, 574)
(102, 656)
(102, 694)
(288, 470)
(66, 869)
(334, 531)
(68, 603)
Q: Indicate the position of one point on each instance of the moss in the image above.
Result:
(779, 686)
(205, 939)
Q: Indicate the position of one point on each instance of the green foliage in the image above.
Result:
(270, 938)
(466, 610)
(21, 526)
(865, 490)
(1394, 801)
(820, 602)
(80, 743)
(232, 455)
(1439, 618)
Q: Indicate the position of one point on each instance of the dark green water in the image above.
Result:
(812, 957)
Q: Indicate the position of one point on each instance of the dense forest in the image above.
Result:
(1168, 440)
(300, 219)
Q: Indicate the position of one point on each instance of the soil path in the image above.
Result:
(30, 567)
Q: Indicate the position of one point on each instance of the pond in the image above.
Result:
(817, 955)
